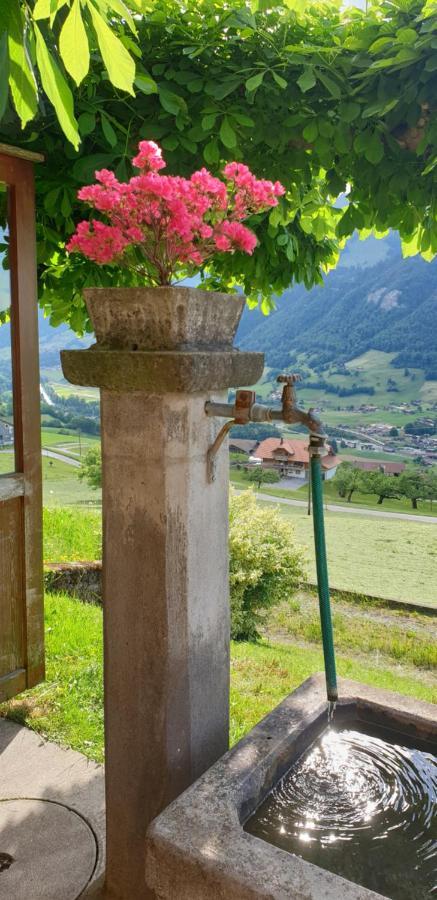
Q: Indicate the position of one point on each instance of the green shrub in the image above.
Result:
(265, 564)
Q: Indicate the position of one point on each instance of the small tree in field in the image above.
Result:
(266, 566)
(261, 476)
(91, 470)
(347, 480)
(383, 486)
(413, 485)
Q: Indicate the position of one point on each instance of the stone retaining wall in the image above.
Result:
(84, 581)
(80, 579)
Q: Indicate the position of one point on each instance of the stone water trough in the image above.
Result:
(198, 847)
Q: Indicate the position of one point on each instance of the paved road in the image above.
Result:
(354, 511)
(62, 458)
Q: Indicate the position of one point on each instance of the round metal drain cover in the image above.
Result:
(47, 851)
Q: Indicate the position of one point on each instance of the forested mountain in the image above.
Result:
(51, 341)
(388, 305)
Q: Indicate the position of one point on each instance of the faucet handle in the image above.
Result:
(289, 379)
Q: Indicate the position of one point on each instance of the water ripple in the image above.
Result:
(362, 807)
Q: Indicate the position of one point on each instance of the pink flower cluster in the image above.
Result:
(155, 223)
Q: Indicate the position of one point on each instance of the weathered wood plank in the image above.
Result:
(21, 593)
(12, 684)
(11, 486)
(12, 609)
(27, 435)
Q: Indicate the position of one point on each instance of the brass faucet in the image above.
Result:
(246, 409)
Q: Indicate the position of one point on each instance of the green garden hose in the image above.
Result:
(316, 442)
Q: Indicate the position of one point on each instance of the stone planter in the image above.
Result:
(163, 318)
(163, 339)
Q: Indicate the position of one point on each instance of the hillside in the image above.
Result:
(388, 305)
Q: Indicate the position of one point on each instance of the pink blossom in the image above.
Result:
(149, 156)
(171, 221)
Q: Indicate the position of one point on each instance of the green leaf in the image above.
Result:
(73, 44)
(310, 131)
(21, 80)
(171, 102)
(255, 81)
(208, 122)
(281, 82)
(374, 151)
(406, 35)
(50, 199)
(342, 139)
(195, 86)
(119, 7)
(57, 90)
(185, 142)
(326, 128)
(108, 131)
(85, 167)
(227, 134)
(4, 72)
(87, 123)
(431, 63)
(379, 44)
(65, 205)
(220, 91)
(146, 84)
(243, 119)
(42, 9)
(307, 80)
(118, 62)
(330, 85)
(380, 108)
(211, 153)
(349, 111)
(171, 142)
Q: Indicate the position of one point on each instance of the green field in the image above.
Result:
(371, 369)
(361, 501)
(68, 706)
(385, 557)
(62, 487)
(346, 452)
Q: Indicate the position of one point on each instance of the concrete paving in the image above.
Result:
(52, 819)
(354, 511)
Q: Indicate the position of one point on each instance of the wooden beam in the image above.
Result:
(19, 153)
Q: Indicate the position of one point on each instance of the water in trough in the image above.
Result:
(361, 804)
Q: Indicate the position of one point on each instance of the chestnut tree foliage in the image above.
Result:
(326, 101)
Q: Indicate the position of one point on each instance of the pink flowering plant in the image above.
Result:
(158, 224)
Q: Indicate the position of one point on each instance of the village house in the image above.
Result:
(6, 432)
(243, 445)
(290, 458)
(379, 465)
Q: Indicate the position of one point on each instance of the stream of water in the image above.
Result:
(362, 805)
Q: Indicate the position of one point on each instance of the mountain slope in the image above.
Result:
(390, 306)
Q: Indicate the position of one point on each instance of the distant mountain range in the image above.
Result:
(374, 300)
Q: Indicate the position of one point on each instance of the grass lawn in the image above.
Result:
(62, 487)
(68, 707)
(383, 557)
(72, 535)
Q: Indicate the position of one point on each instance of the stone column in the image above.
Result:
(165, 583)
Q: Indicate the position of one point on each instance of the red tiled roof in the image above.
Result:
(372, 465)
(297, 452)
